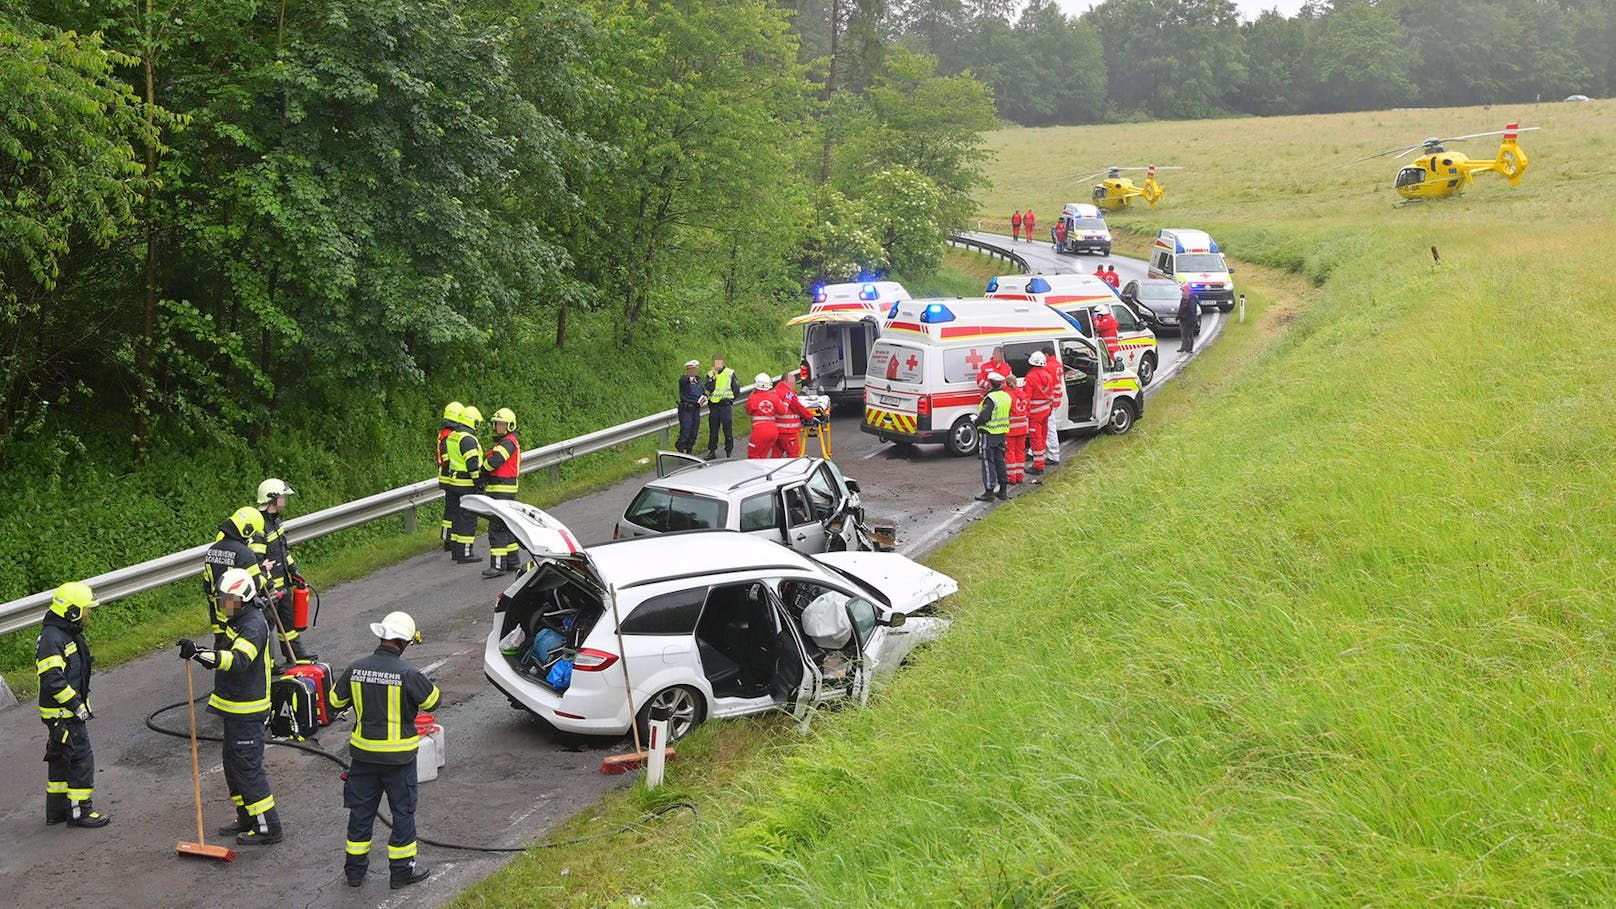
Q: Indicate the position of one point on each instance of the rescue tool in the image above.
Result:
(200, 848)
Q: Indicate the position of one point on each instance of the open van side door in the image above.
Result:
(1080, 363)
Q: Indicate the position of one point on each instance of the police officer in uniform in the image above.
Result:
(241, 699)
(720, 387)
(692, 394)
(63, 659)
(232, 548)
(463, 457)
(385, 693)
(502, 467)
(451, 422)
(993, 424)
(1189, 320)
(280, 569)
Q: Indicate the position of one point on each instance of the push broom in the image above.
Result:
(200, 848)
(623, 763)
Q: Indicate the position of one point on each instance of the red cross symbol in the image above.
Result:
(911, 362)
(974, 359)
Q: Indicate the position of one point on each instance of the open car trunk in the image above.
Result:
(550, 599)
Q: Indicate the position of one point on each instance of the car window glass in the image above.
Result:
(1125, 318)
(670, 613)
(960, 364)
(665, 510)
(863, 612)
(1016, 355)
(822, 493)
(649, 509)
(798, 511)
(895, 363)
(759, 513)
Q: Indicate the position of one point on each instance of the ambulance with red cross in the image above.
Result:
(1192, 257)
(1080, 296)
(921, 387)
(839, 329)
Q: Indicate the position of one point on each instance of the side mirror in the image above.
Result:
(1231, 269)
(896, 620)
(852, 485)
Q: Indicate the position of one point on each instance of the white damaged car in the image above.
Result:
(708, 623)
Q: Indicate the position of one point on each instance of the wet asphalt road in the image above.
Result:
(509, 779)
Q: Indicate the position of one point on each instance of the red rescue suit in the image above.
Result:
(998, 366)
(1040, 391)
(1015, 226)
(788, 419)
(1112, 278)
(1015, 444)
(1060, 234)
(763, 407)
(1105, 325)
(1027, 222)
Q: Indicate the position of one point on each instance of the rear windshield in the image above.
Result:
(897, 363)
(1199, 262)
(668, 510)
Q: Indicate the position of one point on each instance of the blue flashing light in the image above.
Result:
(993, 285)
(869, 292)
(893, 312)
(1038, 286)
(936, 312)
(1213, 243)
(1178, 247)
(819, 294)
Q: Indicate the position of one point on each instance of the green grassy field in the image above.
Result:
(1333, 626)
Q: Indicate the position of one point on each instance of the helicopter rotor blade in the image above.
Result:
(1398, 152)
(1496, 132)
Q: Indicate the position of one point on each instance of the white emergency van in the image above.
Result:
(1192, 257)
(1080, 296)
(1086, 230)
(841, 326)
(921, 386)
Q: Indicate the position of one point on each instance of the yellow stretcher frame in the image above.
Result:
(822, 432)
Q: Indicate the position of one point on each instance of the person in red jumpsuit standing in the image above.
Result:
(789, 418)
(1099, 272)
(1105, 327)
(1060, 235)
(1015, 225)
(995, 363)
(763, 407)
(1027, 223)
(1111, 276)
(1040, 394)
(1015, 444)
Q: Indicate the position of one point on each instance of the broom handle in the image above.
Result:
(196, 763)
(628, 687)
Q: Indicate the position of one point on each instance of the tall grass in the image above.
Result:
(1331, 627)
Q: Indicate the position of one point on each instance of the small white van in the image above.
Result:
(1192, 257)
(839, 329)
(1086, 230)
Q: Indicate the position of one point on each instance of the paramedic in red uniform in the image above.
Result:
(1099, 272)
(1027, 222)
(1015, 225)
(1111, 276)
(763, 407)
(1040, 392)
(1057, 404)
(994, 364)
(1015, 444)
(789, 419)
(1105, 327)
(1060, 235)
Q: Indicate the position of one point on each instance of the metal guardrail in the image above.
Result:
(114, 585)
(997, 252)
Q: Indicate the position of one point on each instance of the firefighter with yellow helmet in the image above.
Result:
(62, 657)
(463, 460)
(453, 413)
(232, 548)
(502, 467)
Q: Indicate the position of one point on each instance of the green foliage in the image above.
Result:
(1363, 58)
(906, 212)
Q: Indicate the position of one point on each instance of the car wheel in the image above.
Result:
(685, 708)
(1122, 417)
(962, 437)
(1147, 369)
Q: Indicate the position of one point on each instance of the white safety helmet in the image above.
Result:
(397, 626)
(236, 582)
(764, 381)
(1037, 358)
(271, 488)
(995, 377)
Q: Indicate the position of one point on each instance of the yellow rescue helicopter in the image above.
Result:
(1117, 192)
(1439, 173)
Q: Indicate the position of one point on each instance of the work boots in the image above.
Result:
(415, 874)
(1003, 494)
(84, 815)
(464, 555)
(496, 567)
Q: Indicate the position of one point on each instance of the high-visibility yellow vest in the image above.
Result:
(460, 472)
(999, 423)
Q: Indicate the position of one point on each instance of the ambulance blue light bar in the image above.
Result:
(819, 294)
(1038, 286)
(993, 285)
(936, 312)
(869, 292)
(892, 313)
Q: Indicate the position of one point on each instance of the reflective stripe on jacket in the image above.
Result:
(241, 679)
(386, 693)
(504, 464)
(62, 659)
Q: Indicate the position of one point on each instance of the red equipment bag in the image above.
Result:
(318, 674)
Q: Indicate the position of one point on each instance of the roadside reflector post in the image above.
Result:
(657, 746)
(1242, 309)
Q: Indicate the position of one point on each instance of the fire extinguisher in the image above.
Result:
(301, 619)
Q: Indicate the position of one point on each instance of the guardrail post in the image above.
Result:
(554, 472)
(411, 521)
(663, 438)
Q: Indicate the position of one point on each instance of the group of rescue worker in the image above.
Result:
(778, 414)
(1022, 222)
(384, 692)
(1105, 272)
(1017, 420)
(716, 391)
(465, 468)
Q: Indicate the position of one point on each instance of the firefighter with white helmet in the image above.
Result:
(386, 693)
(62, 657)
(280, 575)
(241, 699)
(502, 468)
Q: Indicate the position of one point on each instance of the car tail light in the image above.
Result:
(569, 716)
(923, 406)
(592, 660)
(803, 371)
(499, 604)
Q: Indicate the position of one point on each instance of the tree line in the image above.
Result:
(1136, 59)
(215, 212)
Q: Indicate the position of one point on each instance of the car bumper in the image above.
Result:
(928, 437)
(556, 709)
(1225, 295)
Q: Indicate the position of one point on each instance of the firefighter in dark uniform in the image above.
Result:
(385, 693)
(241, 699)
(451, 422)
(463, 457)
(502, 467)
(280, 569)
(232, 548)
(63, 659)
